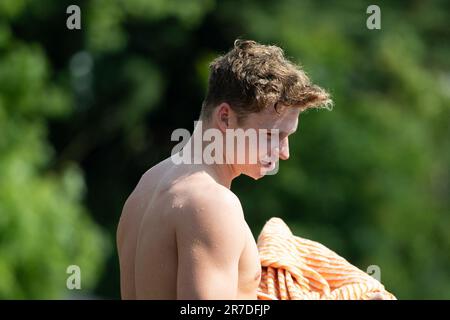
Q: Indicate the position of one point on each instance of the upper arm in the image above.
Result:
(210, 240)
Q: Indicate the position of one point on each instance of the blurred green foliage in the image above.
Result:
(83, 113)
(44, 226)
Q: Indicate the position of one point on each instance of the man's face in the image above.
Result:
(284, 123)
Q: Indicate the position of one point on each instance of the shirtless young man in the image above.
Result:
(182, 233)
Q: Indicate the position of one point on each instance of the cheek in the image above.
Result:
(271, 144)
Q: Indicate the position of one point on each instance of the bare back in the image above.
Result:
(152, 218)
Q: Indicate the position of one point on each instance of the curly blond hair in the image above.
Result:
(252, 76)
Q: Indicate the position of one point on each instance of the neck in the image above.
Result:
(223, 173)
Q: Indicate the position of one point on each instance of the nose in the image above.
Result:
(284, 149)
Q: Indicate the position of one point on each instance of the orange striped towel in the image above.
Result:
(294, 268)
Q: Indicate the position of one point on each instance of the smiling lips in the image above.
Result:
(269, 161)
(268, 164)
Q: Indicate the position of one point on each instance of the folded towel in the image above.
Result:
(294, 268)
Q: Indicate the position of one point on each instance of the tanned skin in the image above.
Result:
(183, 234)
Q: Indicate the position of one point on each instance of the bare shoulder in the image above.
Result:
(210, 240)
(210, 212)
(199, 194)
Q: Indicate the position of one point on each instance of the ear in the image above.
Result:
(224, 116)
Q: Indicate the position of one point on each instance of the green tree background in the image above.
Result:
(83, 113)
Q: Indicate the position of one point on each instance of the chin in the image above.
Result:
(256, 173)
